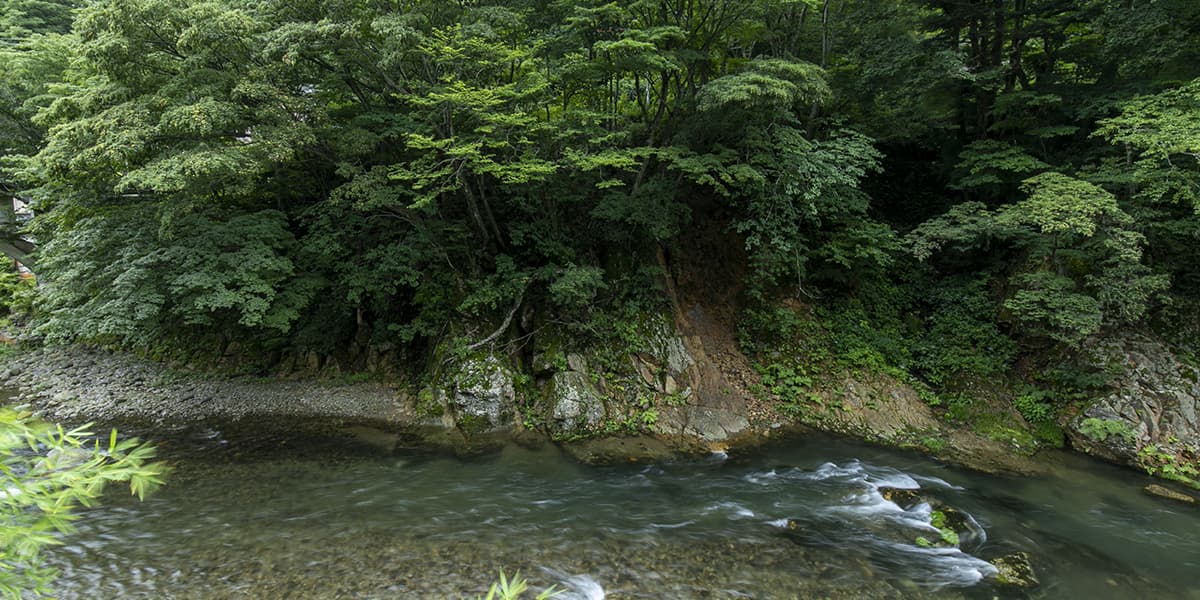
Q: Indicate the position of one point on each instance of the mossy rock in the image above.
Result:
(949, 522)
(575, 408)
(481, 394)
(1015, 570)
(428, 404)
(1161, 491)
(473, 424)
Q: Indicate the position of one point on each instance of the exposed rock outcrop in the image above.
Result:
(480, 394)
(714, 404)
(575, 404)
(1149, 420)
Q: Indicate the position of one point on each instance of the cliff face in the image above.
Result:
(1149, 418)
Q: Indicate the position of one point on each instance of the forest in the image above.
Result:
(940, 189)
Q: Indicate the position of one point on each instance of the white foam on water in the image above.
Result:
(829, 470)
(897, 480)
(735, 510)
(939, 482)
(575, 587)
(865, 505)
(670, 525)
(761, 478)
(947, 567)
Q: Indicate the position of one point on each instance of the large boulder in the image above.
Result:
(481, 394)
(1149, 419)
(575, 405)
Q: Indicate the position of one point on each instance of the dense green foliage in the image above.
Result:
(951, 184)
(46, 474)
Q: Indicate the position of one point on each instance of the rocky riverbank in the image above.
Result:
(81, 384)
(683, 387)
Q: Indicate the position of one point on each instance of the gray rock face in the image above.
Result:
(672, 348)
(1151, 411)
(665, 367)
(482, 395)
(575, 404)
(710, 424)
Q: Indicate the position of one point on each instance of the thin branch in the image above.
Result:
(503, 326)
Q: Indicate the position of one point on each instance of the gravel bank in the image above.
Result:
(73, 385)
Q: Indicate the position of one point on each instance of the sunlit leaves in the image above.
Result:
(1054, 305)
(129, 276)
(771, 85)
(46, 473)
(1057, 204)
(1165, 129)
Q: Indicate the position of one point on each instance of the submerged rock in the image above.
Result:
(904, 498)
(620, 449)
(1157, 490)
(373, 437)
(1015, 570)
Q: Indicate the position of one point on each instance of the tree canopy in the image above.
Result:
(341, 175)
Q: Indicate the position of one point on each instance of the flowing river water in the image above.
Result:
(800, 519)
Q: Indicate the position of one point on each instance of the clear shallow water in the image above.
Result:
(802, 520)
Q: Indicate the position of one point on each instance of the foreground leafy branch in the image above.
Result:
(47, 473)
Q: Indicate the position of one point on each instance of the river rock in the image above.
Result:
(575, 406)
(1157, 490)
(483, 394)
(904, 498)
(373, 437)
(944, 517)
(1149, 419)
(949, 519)
(1015, 570)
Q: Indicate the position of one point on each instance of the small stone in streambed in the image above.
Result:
(1015, 570)
(1155, 489)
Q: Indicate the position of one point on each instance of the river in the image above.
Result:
(798, 519)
